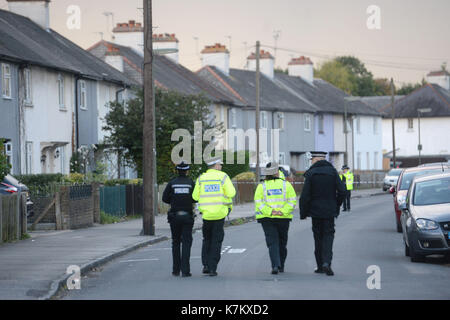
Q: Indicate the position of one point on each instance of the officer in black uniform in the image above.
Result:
(321, 199)
(178, 193)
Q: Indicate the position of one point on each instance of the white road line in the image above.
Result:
(236, 250)
(140, 260)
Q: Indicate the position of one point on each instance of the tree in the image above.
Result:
(382, 87)
(409, 87)
(337, 74)
(173, 111)
(5, 167)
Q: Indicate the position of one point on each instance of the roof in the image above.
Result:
(430, 96)
(378, 102)
(438, 73)
(326, 97)
(166, 73)
(242, 84)
(24, 41)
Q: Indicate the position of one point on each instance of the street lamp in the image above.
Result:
(419, 146)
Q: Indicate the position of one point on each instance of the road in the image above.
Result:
(364, 237)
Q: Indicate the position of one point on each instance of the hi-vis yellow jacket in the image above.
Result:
(348, 180)
(214, 192)
(278, 195)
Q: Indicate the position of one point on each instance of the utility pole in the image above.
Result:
(346, 133)
(149, 126)
(393, 123)
(257, 110)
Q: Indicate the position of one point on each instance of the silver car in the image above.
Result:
(391, 178)
(426, 217)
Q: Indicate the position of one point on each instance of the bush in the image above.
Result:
(77, 178)
(245, 176)
(40, 179)
(108, 219)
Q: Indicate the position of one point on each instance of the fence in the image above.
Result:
(13, 217)
(113, 200)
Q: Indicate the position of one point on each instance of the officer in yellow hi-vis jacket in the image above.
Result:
(214, 192)
(275, 199)
(347, 177)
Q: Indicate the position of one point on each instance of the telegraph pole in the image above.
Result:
(149, 146)
(393, 123)
(257, 110)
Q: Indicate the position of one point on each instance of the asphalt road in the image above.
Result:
(364, 237)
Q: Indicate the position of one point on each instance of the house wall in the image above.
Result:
(324, 141)
(46, 122)
(88, 118)
(106, 93)
(433, 136)
(9, 120)
(339, 142)
(367, 144)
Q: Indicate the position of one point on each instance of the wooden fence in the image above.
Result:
(13, 217)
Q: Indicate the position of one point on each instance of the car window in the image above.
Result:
(11, 180)
(408, 177)
(394, 172)
(436, 191)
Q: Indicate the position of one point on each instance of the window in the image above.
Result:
(263, 124)
(358, 160)
(61, 92)
(375, 160)
(6, 81)
(9, 153)
(83, 95)
(280, 120)
(29, 157)
(27, 80)
(307, 122)
(358, 124)
(410, 124)
(233, 118)
(321, 124)
(282, 159)
(368, 161)
(375, 126)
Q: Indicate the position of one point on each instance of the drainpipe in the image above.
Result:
(77, 135)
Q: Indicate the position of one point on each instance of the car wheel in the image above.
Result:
(415, 257)
(406, 249)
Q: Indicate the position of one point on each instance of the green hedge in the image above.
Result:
(40, 179)
(114, 182)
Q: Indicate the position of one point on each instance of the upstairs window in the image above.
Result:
(280, 120)
(233, 118)
(321, 123)
(307, 122)
(6, 81)
(27, 80)
(263, 124)
(410, 124)
(61, 93)
(83, 95)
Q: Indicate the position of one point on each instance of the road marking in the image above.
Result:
(225, 249)
(157, 249)
(236, 250)
(140, 260)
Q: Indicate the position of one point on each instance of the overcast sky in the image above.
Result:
(413, 39)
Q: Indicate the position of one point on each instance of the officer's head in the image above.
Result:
(271, 171)
(183, 168)
(317, 156)
(345, 168)
(215, 163)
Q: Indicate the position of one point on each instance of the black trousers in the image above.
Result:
(213, 234)
(181, 228)
(323, 230)
(276, 232)
(346, 202)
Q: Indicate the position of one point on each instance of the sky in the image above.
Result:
(412, 38)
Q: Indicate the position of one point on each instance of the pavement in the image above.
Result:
(36, 268)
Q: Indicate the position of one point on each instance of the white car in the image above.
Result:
(391, 178)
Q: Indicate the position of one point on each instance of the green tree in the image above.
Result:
(410, 87)
(124, 122)
(338, 75)
(5, 167)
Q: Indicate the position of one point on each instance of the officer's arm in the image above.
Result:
(305, 198)
(167, 194)
(192, 190)
(341, 191)
(291, 199)
(228, 188)
(260, 206)
(196, 192)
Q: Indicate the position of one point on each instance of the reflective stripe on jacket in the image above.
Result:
(349, 180)
(276, 195)
(214, 192)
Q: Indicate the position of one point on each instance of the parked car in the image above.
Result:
(426, 217)
(403, 183)
(11, 185)
(391, 178)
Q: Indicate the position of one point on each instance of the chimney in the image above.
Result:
(441, 78)
(302, 67)
(36, 10)
(217, 56)
(266, 63)
(166, 42)
(113, 57)
(130, 34)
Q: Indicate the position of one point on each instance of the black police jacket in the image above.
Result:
(178, 193)
(323, 192)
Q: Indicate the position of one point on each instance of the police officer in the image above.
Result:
(322, 195)
(214, 192)
(347, 177)
(275, 200)
(178, 193)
